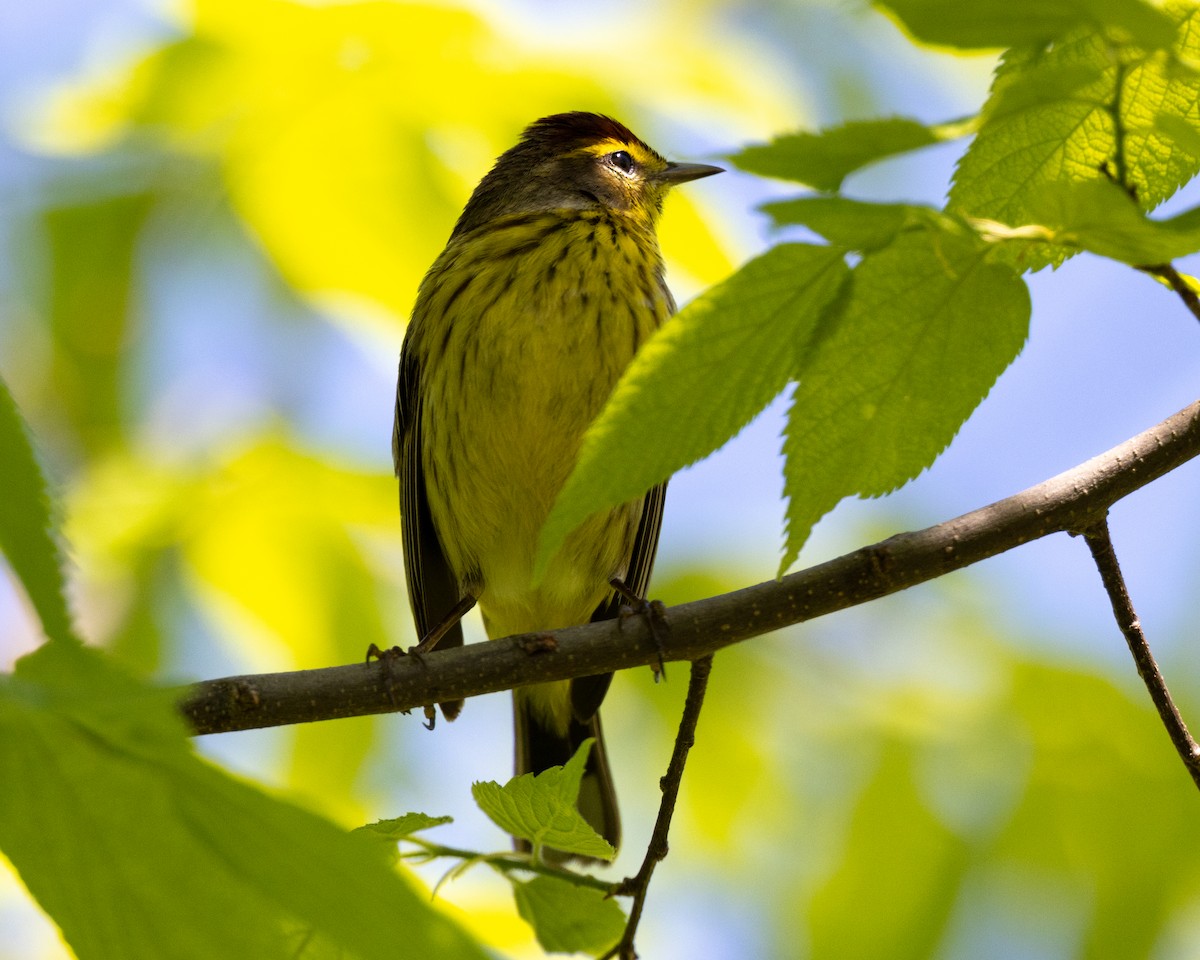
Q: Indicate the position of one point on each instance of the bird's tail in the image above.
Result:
(538, 747)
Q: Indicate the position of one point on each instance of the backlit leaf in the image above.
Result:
(541, 808)
(701, 379)
(930, 325)
(1028, 139)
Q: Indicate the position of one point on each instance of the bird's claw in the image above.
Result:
(655, 613)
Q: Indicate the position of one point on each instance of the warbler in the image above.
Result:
(550, 282)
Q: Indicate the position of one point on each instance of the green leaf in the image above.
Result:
(27, 530)
(745, 336)
(398, 828)
(853, 224)
(1101, 217)
(92, 248)
(1011, 23)
(136, 848)
(1015, 92)
(567, 918)
(930, 325)
(1045, 122)
(541, 808)
(900, 866)
(823, 160)
(1071, 824)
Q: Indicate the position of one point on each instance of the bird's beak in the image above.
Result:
(683, 172)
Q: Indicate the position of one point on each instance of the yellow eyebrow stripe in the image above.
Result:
(643, 156)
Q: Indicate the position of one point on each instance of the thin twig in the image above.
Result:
(1186, 292)
(637, 886)
(505, 863)
(1071, 501)
(1100, 543)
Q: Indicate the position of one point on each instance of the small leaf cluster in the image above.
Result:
(568, 911)
(896, 327)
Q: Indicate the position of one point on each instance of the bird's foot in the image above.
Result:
(655, 614)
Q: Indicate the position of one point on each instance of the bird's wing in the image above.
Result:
(588, 692)
(432, 587)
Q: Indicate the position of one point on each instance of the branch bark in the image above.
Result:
(1100, 543)
(638, 885)
(1073, 502)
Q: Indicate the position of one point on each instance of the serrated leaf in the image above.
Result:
(398, 828)
(138, 849)
(1102, 218)
(567, 918)
(27, 530)
(853, 224)
(745, 335)
(824, 159)
(930, 324)
(1010, 23)
(1017, 91)
(1028, 140)
(541, 808)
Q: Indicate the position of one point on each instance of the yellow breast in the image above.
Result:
(522, 330)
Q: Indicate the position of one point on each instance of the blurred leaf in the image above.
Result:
(824, 159)
(92, 250)
(271, 541)
(1185, 134)
(1025, 141)
(327, 758)
(141, 637)
(100, 782)
(274, 541)
(569, 918)
(854, 224)
(124, 518)
(1011, 23)
(541, 808)
(930, 325)
(325, 762)
(350, 182)
(746, 335)
(900, 868)
(1108, 809)
(27, 529)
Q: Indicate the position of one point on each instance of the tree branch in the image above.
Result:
(638, 885)
(1073, 501)
(1100, 543)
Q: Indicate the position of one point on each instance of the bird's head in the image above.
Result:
(578, 161)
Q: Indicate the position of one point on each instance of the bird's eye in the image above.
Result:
(622, 161)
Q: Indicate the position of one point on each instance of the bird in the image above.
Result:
(551, 281)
